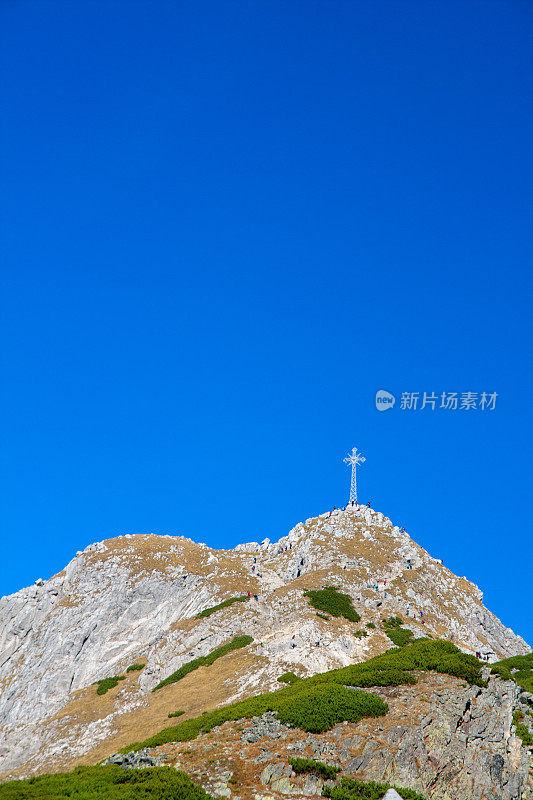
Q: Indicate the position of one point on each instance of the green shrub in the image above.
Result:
(523, 670)
(108, 683)
(524, 678)
(225, 603)
(322, 616)
(503, 672)
(522, 730)
(107, 782)
(399, 636)
(518, 662)
(364, 679)
(524, 734)
(352, 789)
(360, 634)
(318, 708)
(370, 625)
(135, 667)
(288, 677)
(301, 765)
(333, 602)
(395, 665)
(392, 622)
(176, 713)
(204, 661)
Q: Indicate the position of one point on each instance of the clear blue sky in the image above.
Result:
(225, 226)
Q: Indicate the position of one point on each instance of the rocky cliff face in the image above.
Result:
(135, 598)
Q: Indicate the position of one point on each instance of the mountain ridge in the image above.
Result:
(136, 598)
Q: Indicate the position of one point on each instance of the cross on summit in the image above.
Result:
(354, 458)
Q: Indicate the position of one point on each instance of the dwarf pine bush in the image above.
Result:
(308, 765)
(394, 666)
(108, 683)
(318, 708)
(333, 602)
(392, 622)
(399, 636)
(135, 667)
(225, 603)
(352, 789)
(522, 730)
(288, 677)
(518, 669)
(109, 782)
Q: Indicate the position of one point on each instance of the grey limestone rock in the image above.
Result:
(265, 725)
(136, 760)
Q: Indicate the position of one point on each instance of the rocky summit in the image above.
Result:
(139, 628)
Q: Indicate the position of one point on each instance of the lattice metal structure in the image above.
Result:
(354, 458)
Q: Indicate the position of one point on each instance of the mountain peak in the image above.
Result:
(136, 599)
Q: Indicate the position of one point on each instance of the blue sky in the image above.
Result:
(226, 226)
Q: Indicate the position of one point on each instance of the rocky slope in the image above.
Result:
(135, 599)
(441, 738)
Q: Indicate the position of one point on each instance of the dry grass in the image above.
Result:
(203, 690)
(70, 601)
